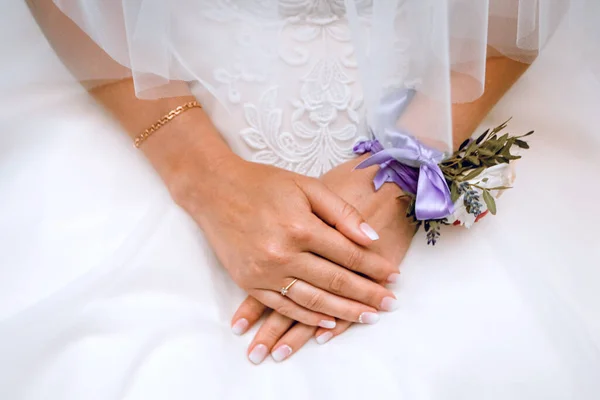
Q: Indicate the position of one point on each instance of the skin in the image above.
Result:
(282, 336)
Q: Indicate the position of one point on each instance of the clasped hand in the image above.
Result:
(269, 226)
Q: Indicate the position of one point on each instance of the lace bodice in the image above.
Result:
(307, 115)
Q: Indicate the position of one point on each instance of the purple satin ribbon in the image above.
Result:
(408, 162)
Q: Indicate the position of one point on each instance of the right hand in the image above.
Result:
(269, 226)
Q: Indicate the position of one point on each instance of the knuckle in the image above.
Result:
(274, 253)
(246, 277)
(348, 211)
(337, 283)
(372, 297)
(299, 232)
(315, 302)
(272, 332)
(355, 259)
(285, 310)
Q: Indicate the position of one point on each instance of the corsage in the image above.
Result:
(456, 190)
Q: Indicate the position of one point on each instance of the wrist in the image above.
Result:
(187, 154)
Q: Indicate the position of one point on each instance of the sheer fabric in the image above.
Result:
(396, 43)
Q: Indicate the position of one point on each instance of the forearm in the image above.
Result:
(501, 74)
(189, 137)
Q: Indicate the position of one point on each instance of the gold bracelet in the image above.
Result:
(163, 121)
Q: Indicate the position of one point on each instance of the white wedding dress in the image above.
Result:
(110, 291)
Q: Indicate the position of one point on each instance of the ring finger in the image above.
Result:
(290, 309)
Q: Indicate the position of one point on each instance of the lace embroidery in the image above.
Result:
(317, 143)
(316, 130)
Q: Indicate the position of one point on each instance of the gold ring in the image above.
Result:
(284, 290)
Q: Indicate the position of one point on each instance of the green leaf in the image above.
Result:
(470, 148)
(473, 160)
(473, 174)
(484, 180)
(522, 144)
(464, 144)
(454, 192)
(527, 134)
(483, 135)
(500, 188)
(485, 152)
(489, 202)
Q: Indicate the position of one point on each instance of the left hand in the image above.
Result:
(385, 212)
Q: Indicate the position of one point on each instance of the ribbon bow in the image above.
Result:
(407, 162)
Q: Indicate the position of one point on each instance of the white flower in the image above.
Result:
(498, 175)
(461, 215)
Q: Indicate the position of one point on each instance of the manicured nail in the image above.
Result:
(368, 318)
(240, 326)
(389, 304)
(393, 278)
(327, 324)
(370, 232)
(258, 353)
(324, 337)
(281, 353)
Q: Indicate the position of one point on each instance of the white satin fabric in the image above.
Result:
(233, 47)
(109, 291)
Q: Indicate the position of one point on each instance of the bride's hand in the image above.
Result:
(278, 334)
(269, 226)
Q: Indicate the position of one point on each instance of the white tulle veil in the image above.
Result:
(398, 43)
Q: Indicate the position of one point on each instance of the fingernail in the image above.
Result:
(368, 318)
(258, 353)
(389, 304)
(324, 337)
(281, 353)
(327, 324)
(367, 230)
(240, 326)
(393, 278)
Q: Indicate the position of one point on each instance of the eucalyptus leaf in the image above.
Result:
(454, 192)
(482, 136)
(489, 202)
(473, 174)
(522, 144)
(464, 144)
(485, 152)
(473, 160)
(471, 148)
(500, 188)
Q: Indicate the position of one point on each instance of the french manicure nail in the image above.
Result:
(327, 324)
(258, 353)
(393, 278)
(240, 326)
(281, 353)
(324, 337)
(389, 304)
(370, 232)
(368, 318)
